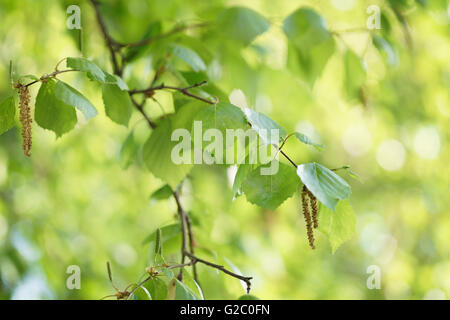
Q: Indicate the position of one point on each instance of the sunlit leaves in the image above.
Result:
(94, 72)
(242, 24)
(310, 43)
(141, 293)
(307, 140)
(157, 155)
(182, 292)
(243, 170)
(355, 74)
(269, 131)
(324, 184)
(157, 288)
(270, 190)
(385, 48)
(85, 65)
(162, 193)
(339, 226)
(118, 105)
(219, 118)
(51, 113)
(74, 98)
(128, 151)
(7, 112)
(190, 57)
(167, 233)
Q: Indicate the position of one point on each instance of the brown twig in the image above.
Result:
(247, 280)
(48, 76)
(182, 215)
(149, 91)
(191, 246)
(113, 46)
(186, 227)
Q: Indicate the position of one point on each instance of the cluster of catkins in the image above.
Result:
(310, 211)
(25, 118)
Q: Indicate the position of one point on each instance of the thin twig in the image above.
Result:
(247, 280)
(138, 286)
(164, 35)
(48, 76)
(183, 90)
(110, 42)
(140, 108)
(191, 245)
(186, 228)
(182, 215)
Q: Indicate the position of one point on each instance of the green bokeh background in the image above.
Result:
(72, 203)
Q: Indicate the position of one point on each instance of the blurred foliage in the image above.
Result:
(379, 101)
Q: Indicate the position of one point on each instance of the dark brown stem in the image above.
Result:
(287, 157)
(191, 245)
(247, 280)
(186, 227)
(113, 46)
(185, 91)
(140, 108)
(182, 215)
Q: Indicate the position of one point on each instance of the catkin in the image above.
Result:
(25, 119)
(307, 215)
(314, 208)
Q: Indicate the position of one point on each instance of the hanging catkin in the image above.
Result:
(307, 215)
(25, 118)
(314, 208)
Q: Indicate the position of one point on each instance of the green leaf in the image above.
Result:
(114, 79)
(51, 113)
(157, 155)
(167, 232)
(221, 116)
(158, 246)
(386, 49)
(74, 98)
(192, 285)
(310, 43)
(128, 151)
(118, 105)
(182, 292)
(242, 24)
(168, 273)
(339, 226)
(157, 288)
(190, 57)
(7, 113)
(355, 74)
(324, 184)
(270, 191)
(85, 65)
(141, 294)
(162, 193)
(307, 140)
(248, 297)
(263, 125)
(353, 174)
(243, 170)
